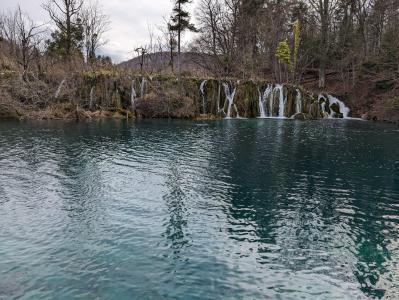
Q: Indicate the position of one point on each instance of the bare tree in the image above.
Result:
(8, 29)
(28, 39)
(95, 23)
(23, 35)
(325, 10)
(169, 42)
(141, 52)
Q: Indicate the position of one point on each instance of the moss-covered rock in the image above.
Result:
(163, 105)
(301, 117)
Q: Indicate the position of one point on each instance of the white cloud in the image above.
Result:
(129, 21)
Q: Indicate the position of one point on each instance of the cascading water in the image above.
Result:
(271, 102)
(263, 98)
(238, 113)
(133, 94)
(261, 106)
(321, 99)
(202, 90)
(220, 110)
(92, 98)
(230, 94)
(142, 87)
(57, 93)
(298, 102)
(330, 106)
(342, 107)
(280, 89)
(331, 113)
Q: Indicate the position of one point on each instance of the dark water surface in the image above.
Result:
(238, 209)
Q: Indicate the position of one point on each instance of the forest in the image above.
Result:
(346, 47)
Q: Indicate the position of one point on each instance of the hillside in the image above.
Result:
(159, 62)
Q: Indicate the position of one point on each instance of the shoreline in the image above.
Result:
(54, 114)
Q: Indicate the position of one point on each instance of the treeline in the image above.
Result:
(292, 38)
(71, 39)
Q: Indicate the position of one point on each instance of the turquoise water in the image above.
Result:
(237, 209)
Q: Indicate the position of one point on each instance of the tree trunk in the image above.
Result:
(179, 50)
(324, 43)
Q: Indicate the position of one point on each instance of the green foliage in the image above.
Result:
(180, 20)
(60, 43)
(283, 53)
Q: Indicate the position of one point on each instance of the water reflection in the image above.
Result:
(200, 210)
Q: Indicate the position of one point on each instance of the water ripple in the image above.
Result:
(250, 209)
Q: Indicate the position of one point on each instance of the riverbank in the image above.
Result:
(111, 94)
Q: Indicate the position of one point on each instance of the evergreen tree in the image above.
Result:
(180, 22)
(68, 38)
(65, 45)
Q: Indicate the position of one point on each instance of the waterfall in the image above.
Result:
(298, 102)
(344, 110)
(202, 90)
(263, 98)
(142, 87)
(280, 89)
(230, 98)
(238, 114)
(261, 106)
(133, 94)
(271, 102)
(220, 110)
(57, 93)
(92, 98)
(323, 104)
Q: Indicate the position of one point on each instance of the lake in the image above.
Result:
(229, 209)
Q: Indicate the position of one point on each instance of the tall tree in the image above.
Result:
(28, 40)
(325, 10)
(95, 24)
(180, 22)
(66, 16)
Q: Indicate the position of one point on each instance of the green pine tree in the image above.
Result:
(180, 22)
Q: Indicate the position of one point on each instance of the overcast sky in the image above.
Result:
(130, 20)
